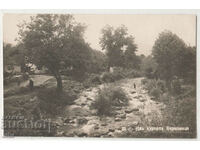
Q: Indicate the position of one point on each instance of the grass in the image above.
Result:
(180, 110)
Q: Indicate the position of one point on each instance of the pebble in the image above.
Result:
(103, 124)
(133, 92)
(111, 130)
(123, 129)
(117, 119)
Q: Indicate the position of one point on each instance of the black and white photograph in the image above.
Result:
(99, 75)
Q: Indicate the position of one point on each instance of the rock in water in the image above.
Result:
(82, 121)
(111, 130)
(117, 119)
(123, 129)
(135, 109)
(131, 110)
(133, 92)
(142, 100)
(103, 124)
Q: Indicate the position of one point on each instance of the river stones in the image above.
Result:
(142, 100)
(135, 109)
(131, 110)
(103, 124)
(82, 121)
(123, 129)
(111, 130)
(89, 99)
(133, 92)
(118, 119)
(96, 127)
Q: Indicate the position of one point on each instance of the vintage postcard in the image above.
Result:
(99, 75)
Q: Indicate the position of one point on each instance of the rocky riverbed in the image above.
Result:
(81, 120)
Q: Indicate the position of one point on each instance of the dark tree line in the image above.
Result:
(174, 58)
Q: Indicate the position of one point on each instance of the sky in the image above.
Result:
(144, 28)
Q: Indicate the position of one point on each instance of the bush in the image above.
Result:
(150, 84)
(149, 73)
(50, 99)
(155, 92)
(119, 73)
(182, 113)
(96, 79)
(21, 90)
(107, 77)
(108, 98)
(176, 87)
(92, 80)
(144, 81)
(161, 85)
(165, 97)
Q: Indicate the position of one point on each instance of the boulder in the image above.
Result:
(67, 120)
(83, 104)
(123, 129)
(60, 133)
(131, 110)
(89, 99)
(133, 92)
(142, 100)
(82, 134)
(103, 124)
(111, 130)
(117, 119)
(82, 121)
(96, 127)
(35, 98)
(135, 109)
(110, 134)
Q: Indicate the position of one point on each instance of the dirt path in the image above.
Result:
(37, 79)
(80, 119)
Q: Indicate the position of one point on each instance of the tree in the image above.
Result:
(131, 60)
(120, 47)
(55, 42)
(168, 52)
(187, 69)
(148, 66)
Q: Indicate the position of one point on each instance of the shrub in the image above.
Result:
(108, 98)
(96, 79)
(155, 92)
(92, 80)
(149, 73)
(144, 81)
(162, 86)
(50, 99)
(165, 97)
(182, 113)
(119, 73)
(151, 84)
(107, 77)
(20, 90)
(176, 87)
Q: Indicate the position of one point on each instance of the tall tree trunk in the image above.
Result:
(59, 83)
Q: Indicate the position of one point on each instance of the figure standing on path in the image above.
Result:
(31, 84)
(134, 86)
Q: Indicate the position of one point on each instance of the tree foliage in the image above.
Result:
(167, 51)
(174, 57)
(120, 47)
(55, 42)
